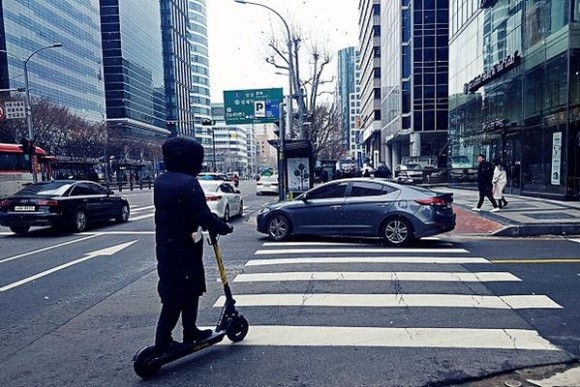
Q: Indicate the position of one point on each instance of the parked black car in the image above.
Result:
(375, 208)
(65, 204)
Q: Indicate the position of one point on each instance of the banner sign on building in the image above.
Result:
(556, 157)
(15, 109)
(493, 72)
(258, 106)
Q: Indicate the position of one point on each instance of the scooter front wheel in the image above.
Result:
(144, 363)
(237, 329)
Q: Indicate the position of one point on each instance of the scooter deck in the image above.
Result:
(198, 346)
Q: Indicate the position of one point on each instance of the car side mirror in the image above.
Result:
(238, 191)
(111, 192)
(304, 197)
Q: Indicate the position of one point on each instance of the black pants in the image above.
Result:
(483, 195)
(168, 320)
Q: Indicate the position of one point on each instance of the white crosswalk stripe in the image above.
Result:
(353, 278)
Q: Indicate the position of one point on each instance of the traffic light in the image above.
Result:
(27, 146)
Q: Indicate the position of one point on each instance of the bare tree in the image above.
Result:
(325, 133)
(311, 85)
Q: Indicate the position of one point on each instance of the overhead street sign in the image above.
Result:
(257, 106)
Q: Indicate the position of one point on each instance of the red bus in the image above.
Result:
(15, 168)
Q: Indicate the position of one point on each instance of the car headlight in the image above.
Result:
(264, 210)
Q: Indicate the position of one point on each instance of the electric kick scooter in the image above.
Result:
(147, 361)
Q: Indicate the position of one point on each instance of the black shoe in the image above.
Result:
(198, 336)
(172, 347)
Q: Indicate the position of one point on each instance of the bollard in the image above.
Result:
(120, 186)
(131, 185)
(141, 185)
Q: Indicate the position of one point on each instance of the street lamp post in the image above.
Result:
(291, 86)
(27, 94)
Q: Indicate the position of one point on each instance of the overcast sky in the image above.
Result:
(238, 34)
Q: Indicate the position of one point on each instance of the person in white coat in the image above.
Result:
(499, 181)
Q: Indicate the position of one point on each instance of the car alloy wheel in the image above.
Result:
(80, 221)
(397, 232)
(241, 211)
(227, 214)
(123, 216)
(278, 227)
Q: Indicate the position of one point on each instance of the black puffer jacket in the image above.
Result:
(180, 209)
(484, 177)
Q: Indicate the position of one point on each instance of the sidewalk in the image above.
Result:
(523, 216)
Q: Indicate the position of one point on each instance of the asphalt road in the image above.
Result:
(76, 307)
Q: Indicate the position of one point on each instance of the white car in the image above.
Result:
(223, 199)
(267, 185)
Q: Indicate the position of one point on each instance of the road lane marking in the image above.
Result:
(395, 300)
(103, 252)
(377, 276)
(142, 216)
(138, 209)
(539, 260)
(308, 336)
(386, 259)
(359, 250)
(49, 248)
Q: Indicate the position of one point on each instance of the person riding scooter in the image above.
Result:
(180, 213)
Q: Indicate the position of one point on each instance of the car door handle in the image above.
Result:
(336, 207)
(383, 205)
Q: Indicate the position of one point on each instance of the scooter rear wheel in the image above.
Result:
(237, 329)
(144, 364)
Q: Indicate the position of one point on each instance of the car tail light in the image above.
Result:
(50, 203)
(213, 198)
(5, 203)
(432, 201)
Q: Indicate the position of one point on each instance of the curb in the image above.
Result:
(521, 230)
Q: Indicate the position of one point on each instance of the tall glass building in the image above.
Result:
(200, 95)
(133, 67)
(514, 91)
(345, 86)
(414, 80)
(176, 62)
(70, 75)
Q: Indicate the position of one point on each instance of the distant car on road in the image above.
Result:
(222, 199)
(65, 204)
(361, 207)
(267, 185)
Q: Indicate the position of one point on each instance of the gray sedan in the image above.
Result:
(361, 207)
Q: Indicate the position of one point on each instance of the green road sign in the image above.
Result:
(258, 106)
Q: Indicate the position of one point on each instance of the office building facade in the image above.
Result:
(370, 77)
(200, 96)
(345, 85)
(71, 75)
(133, 68)
(176, 63)
(414, 81)
(514, 91)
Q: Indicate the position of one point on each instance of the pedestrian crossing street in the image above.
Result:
(365, 295)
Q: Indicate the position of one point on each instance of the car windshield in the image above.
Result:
(52, 188)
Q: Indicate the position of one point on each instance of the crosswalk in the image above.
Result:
(322, 294)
